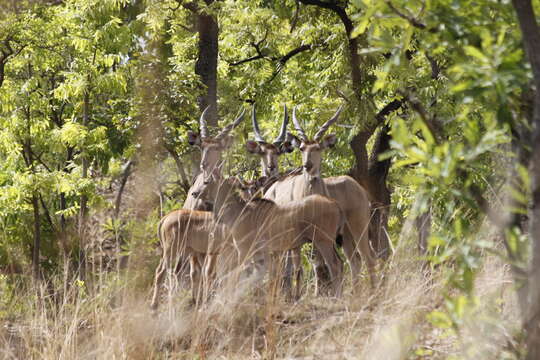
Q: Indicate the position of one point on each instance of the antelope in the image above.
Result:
(184, 234)
(269, 154)
(262, 228)
(351, 197)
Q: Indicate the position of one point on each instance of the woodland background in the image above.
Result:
(441, 124)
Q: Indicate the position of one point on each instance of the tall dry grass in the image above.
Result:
(109, 318)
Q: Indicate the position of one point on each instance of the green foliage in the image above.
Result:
(89, 78)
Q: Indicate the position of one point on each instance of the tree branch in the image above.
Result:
(191, 6)
(336, 9)
(412, 20)
(295, 17)
(429, 120)
(40, 160)
(354, 58)
(47, 213)
(6, 53)
(257, 46)
(185, 183)
(281, 61)
(435, 68)
(360, 170)
(243, 61)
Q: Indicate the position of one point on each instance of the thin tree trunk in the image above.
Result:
(123, 181)
(531, 40)
(423, 226)
(37, 238)
(120, 242)
(84, 199)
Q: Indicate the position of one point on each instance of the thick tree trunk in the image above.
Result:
(378, 174)
(206, 66)
(533, 315)
(372, 175)
(531, 39)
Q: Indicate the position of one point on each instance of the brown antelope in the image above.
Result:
(269, 154)
(184, 234)
(350, 196)
(262, 228)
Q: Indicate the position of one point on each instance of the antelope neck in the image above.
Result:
(266, 171)
(227, 198)
(311, 180)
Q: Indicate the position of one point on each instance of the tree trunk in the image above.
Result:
(531, 40)
(123, 182)
(423, 226)
(372, 175)
(37, 238)
(84, 199)
(378, 173)
(533, 315)
(206, 66)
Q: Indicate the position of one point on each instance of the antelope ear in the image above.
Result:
(293, 140)
(259, 183)
(193, 139)
(329, 141)
(286, 147)
(253, 147)
(226, 141)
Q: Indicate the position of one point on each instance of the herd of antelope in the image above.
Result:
(267, 220)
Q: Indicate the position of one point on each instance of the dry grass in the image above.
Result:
(113, 320)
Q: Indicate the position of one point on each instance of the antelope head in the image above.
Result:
(312, 149)
(212, 146)
(251, 189)
(269, 152)
(220, 191)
